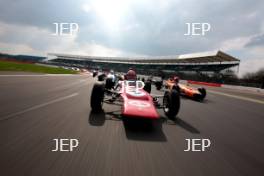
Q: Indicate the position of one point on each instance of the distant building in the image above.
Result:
(214, 62)
(21, 58)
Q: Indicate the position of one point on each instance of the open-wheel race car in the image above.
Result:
(195, 93)
(136, 102)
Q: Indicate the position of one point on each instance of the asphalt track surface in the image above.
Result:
(35, 109)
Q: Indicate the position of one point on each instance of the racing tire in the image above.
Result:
(203, 93)
(101, 77)
(97, 97)
(147, 87)
(158, 85)
(171, 103)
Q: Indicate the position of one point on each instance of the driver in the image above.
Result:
(176, 80)
(112, 76)
(111, 79)
(131, 75)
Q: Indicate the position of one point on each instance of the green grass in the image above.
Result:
(12, 66)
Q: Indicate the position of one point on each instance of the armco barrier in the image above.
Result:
(204, 83)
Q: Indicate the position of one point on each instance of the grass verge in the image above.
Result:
(13, 66)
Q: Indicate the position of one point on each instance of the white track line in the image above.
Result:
(237, 97)
(10, 116)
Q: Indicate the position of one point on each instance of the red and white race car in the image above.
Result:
(136, 102)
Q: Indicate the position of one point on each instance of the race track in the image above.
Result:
(35, 109)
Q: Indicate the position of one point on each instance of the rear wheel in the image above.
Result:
(101, 77)
(158, 85)
(109, 84)
(94, 74)
(171, 103)
(97, 97)
(203, 93)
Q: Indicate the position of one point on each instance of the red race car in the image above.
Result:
(136, 102)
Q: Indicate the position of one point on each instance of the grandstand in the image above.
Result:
(213, 61)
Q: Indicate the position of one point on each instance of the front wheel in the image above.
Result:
(147, 87)
(171, 103)
(97, 97)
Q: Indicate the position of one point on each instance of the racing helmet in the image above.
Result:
(131, 75)
(176, 79)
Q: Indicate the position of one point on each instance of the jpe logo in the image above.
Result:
(133, 86)
(64, 29)
(65, 145)
(197, 28)
(197, 145)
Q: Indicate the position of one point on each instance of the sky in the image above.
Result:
(135, 28)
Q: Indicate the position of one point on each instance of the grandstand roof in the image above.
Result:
(195, 58)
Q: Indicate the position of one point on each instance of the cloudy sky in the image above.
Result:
(135, 28)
